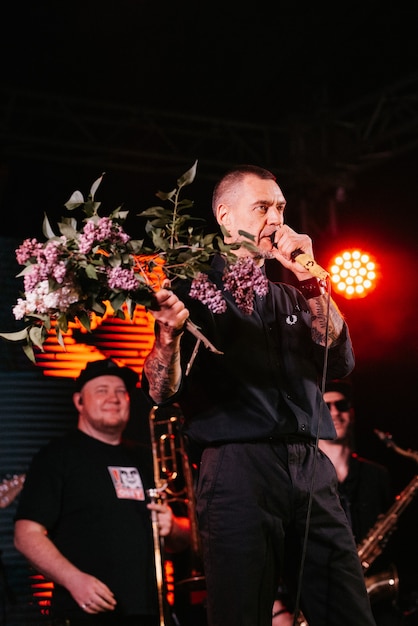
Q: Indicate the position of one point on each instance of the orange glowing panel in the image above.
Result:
(354, 273)
(127, 341)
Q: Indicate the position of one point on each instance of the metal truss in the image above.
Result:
(326, 150)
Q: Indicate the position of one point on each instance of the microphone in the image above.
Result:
(309, 264)
(306, 261)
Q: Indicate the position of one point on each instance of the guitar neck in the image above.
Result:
(10, 488)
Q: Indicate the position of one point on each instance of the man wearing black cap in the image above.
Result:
(83, 519)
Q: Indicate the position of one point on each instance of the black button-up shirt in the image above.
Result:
(265, 384)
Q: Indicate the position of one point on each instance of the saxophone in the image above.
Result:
(374, 543)
(384, 584)
(387, 582)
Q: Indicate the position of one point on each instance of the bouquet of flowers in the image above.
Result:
(75, 273)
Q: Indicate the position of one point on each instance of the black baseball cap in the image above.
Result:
(343, 386)
(106, 367)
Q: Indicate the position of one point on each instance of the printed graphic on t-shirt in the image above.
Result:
(127, 483)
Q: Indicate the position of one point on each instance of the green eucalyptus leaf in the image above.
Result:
(224, 247)
(114, 260)
(208, 239)
(136, 245)
(188, 177)
(91, 271)
(18, 335)
(46, 228)
(126, 258)
(119, 314)
(98, 307)
(155, 211)
(224, 231)
(182, 205)
(43, 317)
(160, 242)
(131, 306)
(37, 336)
(62, 322)
(244, 233)
(95, 186)
(119, 215)
(90, 208)
(84, 319)
(75, 200)
(249, 246)
(26, 270)
(60, 337)
(166, 195)
(68, 230)
(28, 350)
(71, 221)
(117, 301)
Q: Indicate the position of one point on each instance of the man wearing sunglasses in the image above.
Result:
(365, 487)
(365, 492)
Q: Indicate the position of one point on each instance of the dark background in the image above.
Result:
(324, 94)
(333, 87)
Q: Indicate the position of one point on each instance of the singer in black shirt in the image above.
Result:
(255, 412)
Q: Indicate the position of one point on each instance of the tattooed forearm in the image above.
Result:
(163, 373)
(319, 310)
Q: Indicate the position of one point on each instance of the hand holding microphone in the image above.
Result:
(309, 264)
(290, 244)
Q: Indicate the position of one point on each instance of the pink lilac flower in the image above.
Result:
(48, 265)
(32, 278)
(105, 230)
(52, 251)
(59, 272)
(120, 278)
(28, 249)
(204, 290)
(243, 279)
(87, 238)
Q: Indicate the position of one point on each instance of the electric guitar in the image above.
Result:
(10, 488)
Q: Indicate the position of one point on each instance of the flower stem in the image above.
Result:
(193, 329)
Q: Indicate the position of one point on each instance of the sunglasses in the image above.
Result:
(340, 405)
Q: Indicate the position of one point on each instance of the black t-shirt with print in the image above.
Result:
(91, 496)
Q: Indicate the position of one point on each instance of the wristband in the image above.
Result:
(312, 287)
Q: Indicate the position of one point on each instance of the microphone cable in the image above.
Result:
(321, 407)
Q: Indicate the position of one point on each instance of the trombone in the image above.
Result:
(173, 477)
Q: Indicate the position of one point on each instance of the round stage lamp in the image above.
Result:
(353, 273)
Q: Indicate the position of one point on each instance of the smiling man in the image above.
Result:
(83, 518)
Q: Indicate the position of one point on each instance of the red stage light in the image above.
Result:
(353, 273)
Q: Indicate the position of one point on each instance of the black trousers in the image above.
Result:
(252, 504)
